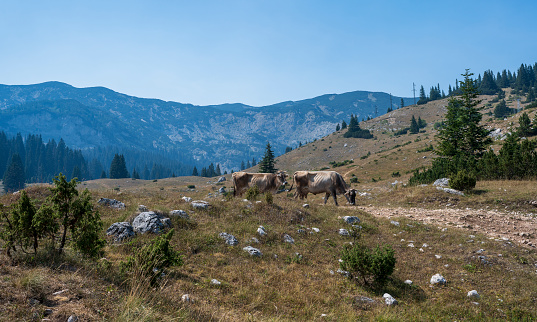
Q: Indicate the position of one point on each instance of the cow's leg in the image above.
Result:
(326, 197)
(334, 196)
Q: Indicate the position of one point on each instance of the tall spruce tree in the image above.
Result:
(195, 172)
(462, 136)
(266, 165)
(414, 127)
(14, 176)
(118, 168)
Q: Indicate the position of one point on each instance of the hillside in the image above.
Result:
(226, 134)
(483, 241)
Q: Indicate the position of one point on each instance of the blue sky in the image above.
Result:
(261, 52)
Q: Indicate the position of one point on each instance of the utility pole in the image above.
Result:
(376, 111)
(414, 90)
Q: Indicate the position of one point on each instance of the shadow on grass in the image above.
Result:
(398, 289)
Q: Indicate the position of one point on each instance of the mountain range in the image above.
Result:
(227, 134)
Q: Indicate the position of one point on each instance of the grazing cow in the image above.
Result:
(265, 181)
(329, 182)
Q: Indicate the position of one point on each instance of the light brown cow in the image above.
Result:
(264, 181)
(329, 182)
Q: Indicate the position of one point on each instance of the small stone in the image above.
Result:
(389, 299)
(438, 279)
(344, 232)
(253, 251)
(261, 231)
(47, 312)
(288, 239)
(315, 229)
(230, 239)
(200, 204)
(410, 245)
(215, 282)
(395, 223)
(438, 256)
(142, 208)
(351, 219)
(408, 282)
(72, 318)
(186, 298)
(474, 294)
(306, 205)
(179, 213)
(187, 199)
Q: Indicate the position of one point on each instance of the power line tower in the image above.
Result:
(376, 111)
(414, 90)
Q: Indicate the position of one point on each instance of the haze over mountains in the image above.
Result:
(226, 134)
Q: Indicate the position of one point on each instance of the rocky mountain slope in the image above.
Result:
(226, 134)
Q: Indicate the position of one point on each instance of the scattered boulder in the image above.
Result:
(121, 231)
(390, 300)
(473, 294)
(408, 282)
(344, 232)
(393, 222)
(351, 219)
(438, 279)
(221, 179)
(230, 239)
(200, 204)
(222, 189)
(261, 231)
(180, 214)
(253, 251)
(72, 318)
(443, 182)
(150, 221)
(112, 203)
(306, 205)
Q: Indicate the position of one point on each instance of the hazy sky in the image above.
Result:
(261, 52)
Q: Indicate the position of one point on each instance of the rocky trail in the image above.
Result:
(514, 226)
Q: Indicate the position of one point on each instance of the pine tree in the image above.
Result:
(248, 165)
(195, 172)
(524, 128)
(135, 174)
(253, 162)
(103, 174)
(414, 127)
(118, 168)
(337, 127)
(14, 176)
(343, 125)
(402, 103)
(243, 166)
(266, 165)
(423, 98)
(462, 136)
(217, 171)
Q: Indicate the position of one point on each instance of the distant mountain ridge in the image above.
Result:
(226, 134)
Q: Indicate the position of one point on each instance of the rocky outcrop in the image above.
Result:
(150, 222)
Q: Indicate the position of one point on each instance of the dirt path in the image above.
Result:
(518, 227)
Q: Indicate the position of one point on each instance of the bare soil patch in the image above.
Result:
(514, 226)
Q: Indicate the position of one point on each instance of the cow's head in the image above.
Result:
(281, 176)
(351, 196)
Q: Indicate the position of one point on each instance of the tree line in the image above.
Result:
(464, 152)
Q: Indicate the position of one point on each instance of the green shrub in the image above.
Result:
(252, 192)
(191, 186)
(463, 181)
(396, 174)
(354, 180)
(363, 262)
(154, 257)
(269, 199)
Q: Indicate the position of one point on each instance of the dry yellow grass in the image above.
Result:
(281, 285)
